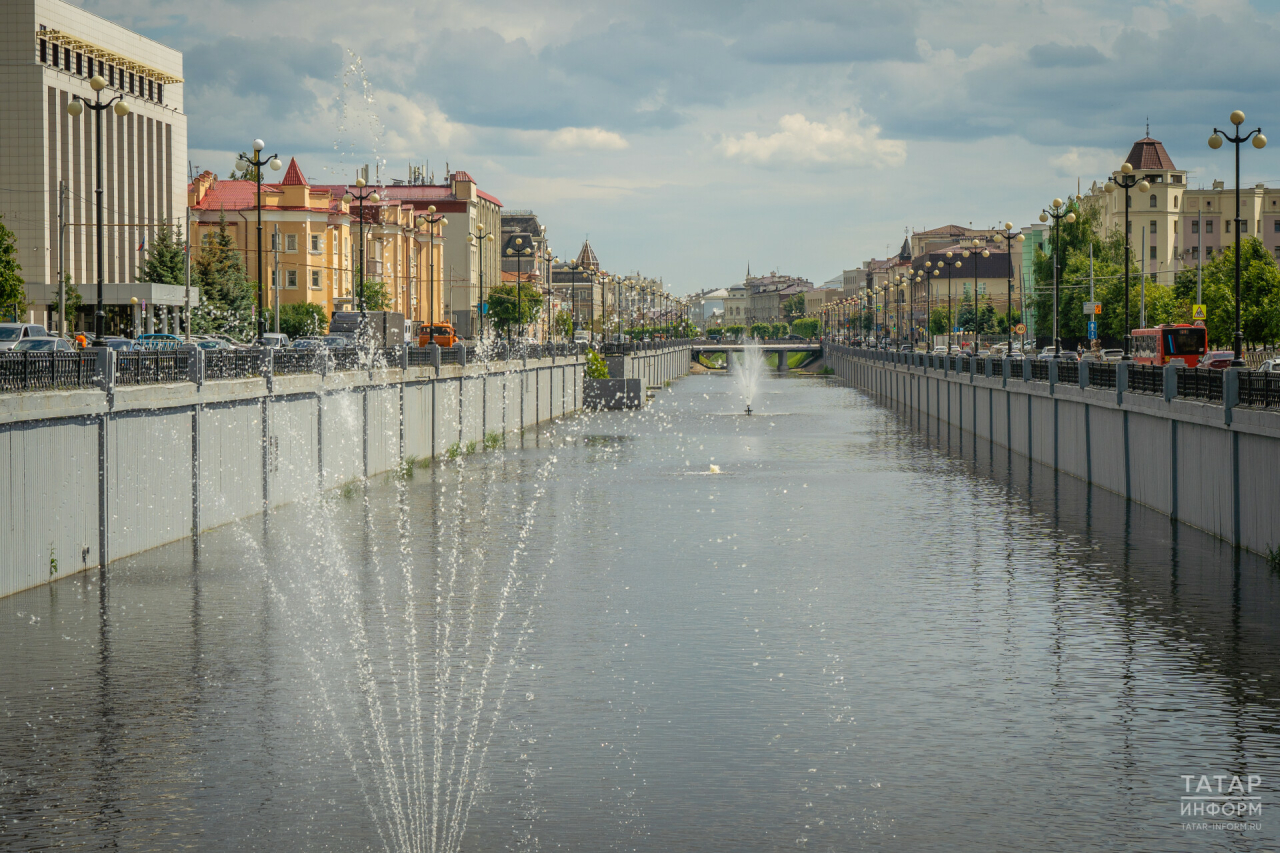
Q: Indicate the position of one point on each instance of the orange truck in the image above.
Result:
(440, 334)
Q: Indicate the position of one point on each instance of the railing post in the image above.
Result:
(106, 368)
(1053, 374)
(1170, 382)
(1005, 367)
(462, 353)
(1230, 391)
(269, 368)
(435, 357)
(404, 356)
(1084, 374)
(195, 367)
(1122, 380)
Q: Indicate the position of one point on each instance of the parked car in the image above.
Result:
(1217, 359)
(272, 340)
(1271, 365)
(158, 340)
(122, 344)
(794, 337)
(307, 343)
(213, 343)
(582, 336)
(11, 333)
(338, 341)
(43, 345)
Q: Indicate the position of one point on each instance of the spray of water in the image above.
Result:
(748, 370)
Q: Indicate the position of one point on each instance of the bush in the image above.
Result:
(761, 330)
(596, 366)
(807, 326)
(779, 330)
(303, 319)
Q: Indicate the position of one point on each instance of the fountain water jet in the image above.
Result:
(748, 370)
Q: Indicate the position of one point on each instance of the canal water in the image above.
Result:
(823, 627)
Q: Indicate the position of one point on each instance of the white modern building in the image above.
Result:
(51, 50)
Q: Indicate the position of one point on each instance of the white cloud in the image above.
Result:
(845, 138)
(1084, 162)
(573, 138)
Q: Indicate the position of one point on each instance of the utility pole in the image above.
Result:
(1199, 253)
(62, 274)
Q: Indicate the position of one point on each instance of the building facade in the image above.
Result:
(51, 50)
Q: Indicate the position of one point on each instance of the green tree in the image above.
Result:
(74, 301)
(806, 326)
(227, 298)
(508, 309)
(793, 306)
(733, 330)
(597, 368)
(1259, 295)
(377, 296)
(562, 323)
(166, 261)
(303, 319)
(760, 331)
(13, 292)
(939, 321)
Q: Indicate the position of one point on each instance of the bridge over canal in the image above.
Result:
(782, 348)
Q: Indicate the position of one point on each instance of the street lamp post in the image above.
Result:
(478, 239)
(1126, 182)
(372, 195)
(951, 317)
(1010, 237)
(518, 253)
(986, 253)
(257, 161)
(1215, 142)
(430, 221)
(120, 108)
(1059, 211)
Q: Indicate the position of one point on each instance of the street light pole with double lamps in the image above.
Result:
(1058, 212)
(478, 238)
(372, 195)
(1010, 237)
(257, 161)
(1215, 142)
(430, 221)
(986, 253)
(1126, 182)
(74, 108)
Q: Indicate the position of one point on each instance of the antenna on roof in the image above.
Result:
(1148, 127)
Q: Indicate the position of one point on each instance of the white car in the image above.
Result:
(1271, 365)
(12, 333)
(43, 345)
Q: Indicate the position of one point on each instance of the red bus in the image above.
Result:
(1170, 343)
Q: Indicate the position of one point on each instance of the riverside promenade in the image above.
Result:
(111, 454)
(1202, 447)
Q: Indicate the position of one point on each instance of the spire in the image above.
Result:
(293, 175)
(587, 257)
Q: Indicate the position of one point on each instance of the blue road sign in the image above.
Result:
(1093, 330)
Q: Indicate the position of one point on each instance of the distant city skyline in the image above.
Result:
(691, 139)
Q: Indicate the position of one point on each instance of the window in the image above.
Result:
(1175, 179)
(1208, 227)
(159, 93)
(1153, 226)
(315, 279)
(315, 242)
(1208, 204)
(1153, 253)
(44, 51)
(111, 75)
(1195, 252)
(1208, 252)
(275, 242)
(1226, 226)
(80, 64)
(1195, 226)
(66, 59)
(131, 79)
(291, 279)
(1277, 225)
(1154, 201)
(1277, 250)
(1175, 202)
(291, 242)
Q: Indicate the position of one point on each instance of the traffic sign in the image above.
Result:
(1093, 307)
(1021, 328)
(1198, 312)
(1093, 330)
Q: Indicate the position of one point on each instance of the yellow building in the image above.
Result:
(310, 242)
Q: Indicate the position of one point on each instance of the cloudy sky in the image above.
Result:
(689, 139)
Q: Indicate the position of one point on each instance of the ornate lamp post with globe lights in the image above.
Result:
(1126, 182)
(120, 108)
(429, 222)
(1215, 142)
(1058, 212)
(257, 161)
(1010, 237)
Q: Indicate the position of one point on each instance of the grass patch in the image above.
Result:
(454, 450)
(348, 491)
(492, 440)
(1273, 559)
(471, 448)
(410, 464)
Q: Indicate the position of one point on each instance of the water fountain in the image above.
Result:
(748, 368)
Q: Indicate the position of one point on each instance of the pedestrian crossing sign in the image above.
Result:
(1198, 312)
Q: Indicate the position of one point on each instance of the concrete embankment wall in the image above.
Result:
(91, 475)
(654, 368)
(1213, 467)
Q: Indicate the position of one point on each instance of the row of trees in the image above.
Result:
(1165, 302)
